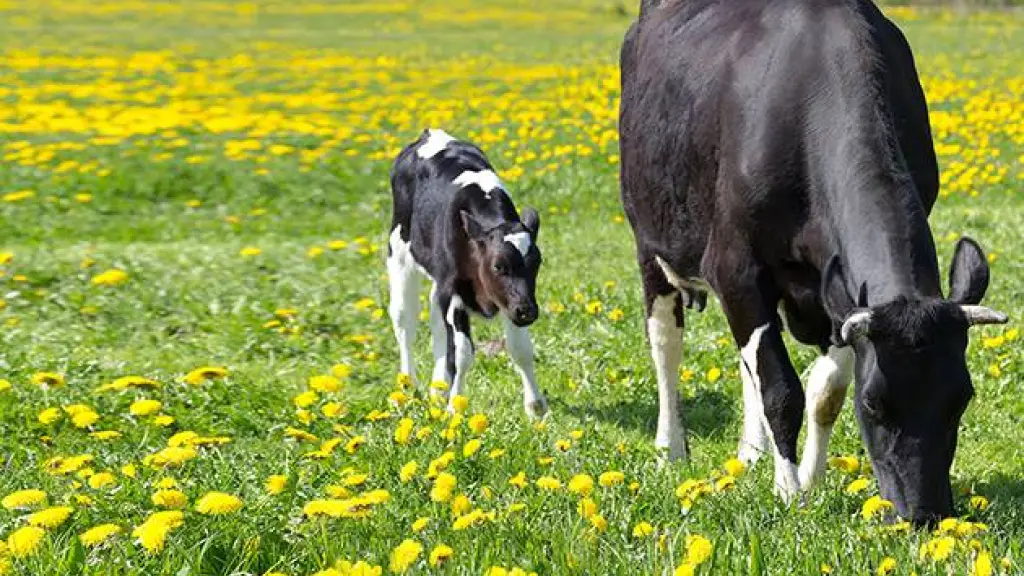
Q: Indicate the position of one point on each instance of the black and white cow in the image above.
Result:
(454, 223)
(778, 152)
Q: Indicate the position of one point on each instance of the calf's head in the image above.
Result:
(912, 383)
(504, 261)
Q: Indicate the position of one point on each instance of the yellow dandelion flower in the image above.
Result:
(129, 470)
(353, 444)
(587, 508)
(478, 423)
(598, 522)
(49, 416)
(105, 434)
(408, 471)
(519, 480)
(979, 503)
(548, 483)
(144, 407)
(581, 484)
(698, 549)
(405, 555)
(152, 533)
(50, 379)
(725, 482)
(734, 467)
(444, 484)
(471, 448)
(171, 456)
(169, 498)
(404, 430)
(25, 541)
(21, 499)
(216, 503)
(4, 384)
(276, 484)
(102, 480)
(250, 252)
(714, 374)
(857, 486)
(982, 564)
(98, 534)
(611, 478)
(461, 505)
(937, 549)
(886, 566)
(460, 403)
(496, 453)
(112, 277)
(848, 464)
(205, 373)
(325, 383)
(420, 524)
(50, 518)
(440, 554)
(642, 530)
(873, 506)
(306, 399)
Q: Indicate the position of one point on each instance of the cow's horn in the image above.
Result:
(983, 315)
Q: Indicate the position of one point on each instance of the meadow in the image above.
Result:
(197, 371)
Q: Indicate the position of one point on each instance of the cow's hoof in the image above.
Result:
(536, 409)
(673, 452)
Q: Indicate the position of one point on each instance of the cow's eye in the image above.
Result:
(500, 269)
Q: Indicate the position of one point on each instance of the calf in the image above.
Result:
(454, 223)
(778, 152)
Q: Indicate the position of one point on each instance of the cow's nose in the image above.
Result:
(524, 315)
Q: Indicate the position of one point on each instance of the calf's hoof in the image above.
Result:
(536, 409)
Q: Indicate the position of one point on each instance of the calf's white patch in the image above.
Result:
(521, 240)
(486, 180)
(437, 140)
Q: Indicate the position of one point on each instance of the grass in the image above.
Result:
(162, 139)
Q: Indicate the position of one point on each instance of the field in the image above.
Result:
(197, 371)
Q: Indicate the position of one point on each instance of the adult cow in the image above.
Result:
(778, 152)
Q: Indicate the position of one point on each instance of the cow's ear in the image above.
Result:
(968, 274)
(471, 225)
(835, 296)
(531, 219)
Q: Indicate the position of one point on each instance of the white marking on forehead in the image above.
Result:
(487, 180)
(437, 140)
(521, 240)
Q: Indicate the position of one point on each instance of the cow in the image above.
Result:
(454, 222)
(778, 153)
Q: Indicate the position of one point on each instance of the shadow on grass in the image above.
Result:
(1006, 494)
(708, 413)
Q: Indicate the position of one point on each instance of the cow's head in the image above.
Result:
(912, 383)
(506, 260)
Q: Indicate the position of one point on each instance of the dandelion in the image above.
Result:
(587, 508)
(734, 467)
(886, 566)
(459, 403)
(173, 499)
(324, 383)
(725, 482)
(205, 373)
(250, 252)
(440, 554)
(217, 503)
(549, 483)
(581, 484)
(848, 464)
(404, 430)
(642, 530)
(354, 443)
(144, 407)
(698, 549)
(471, 448)
(47, 379)
(152, 534)
(102, 480)
(171, 456)
(444, 484)
(519, 480)
(611, 478)
(276, 484)
(4, 384)
(598, 522)
(873, 506)
(405, 555)
(478, 423)
(48, 416)
(714, 374)
(25, 541)
(112, 277)
(979, 503)
(937, 549)
(982, 564)
(98, 534)
(50, 518)
(408, 471)
(420, 524)
(563, 445)
(22, 499)
(857, 486)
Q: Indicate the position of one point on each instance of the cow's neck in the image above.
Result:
(881, 230)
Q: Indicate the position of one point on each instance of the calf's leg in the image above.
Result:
(520, 349)
(404, 304)
(829, 378)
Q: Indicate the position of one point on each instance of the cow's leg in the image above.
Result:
(439, 335)
(459, 354)
(829, 378)
(665, 332)
(404, 304)
(749, 301)
(520, 349)
(754, 436)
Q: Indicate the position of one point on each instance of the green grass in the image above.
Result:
(535, 83)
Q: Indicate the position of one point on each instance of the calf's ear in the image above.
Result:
(968, 274)
(531, 219)
(472, 226)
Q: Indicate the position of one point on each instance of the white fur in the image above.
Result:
(440, 339)
(463, 351)
(754, 438)
(437, 140)
(520, 349)
(787, 483)
(404, 305)
(521, 240)
(667, 351)
(487, 180)
(855, 326)
(829, 378)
